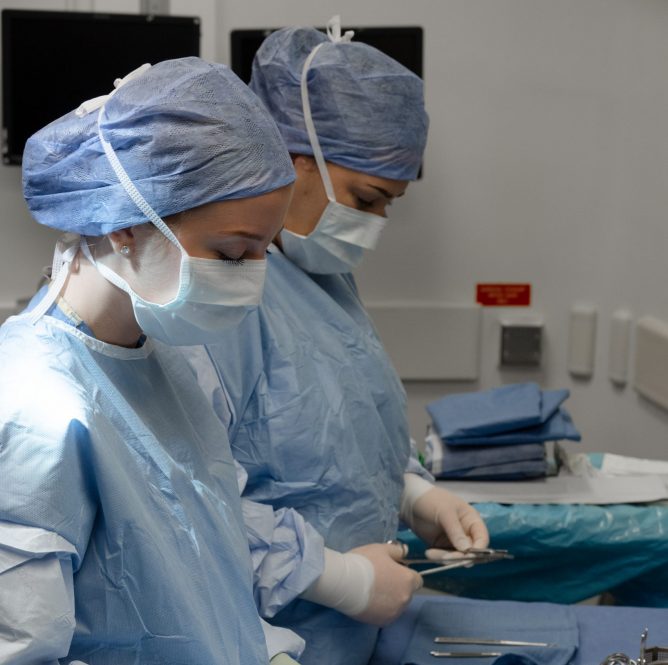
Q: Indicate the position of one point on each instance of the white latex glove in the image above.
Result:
(366, 583)
(283, 659)
(441, 518)
(393, 584)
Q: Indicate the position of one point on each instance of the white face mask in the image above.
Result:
(212, 295)
(338, 241)
(342, 233)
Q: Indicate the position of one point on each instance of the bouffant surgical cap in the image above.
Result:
(187, 132)
(368, 110)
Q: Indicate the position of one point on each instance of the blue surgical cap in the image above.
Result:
(187, 132)
(368, 110)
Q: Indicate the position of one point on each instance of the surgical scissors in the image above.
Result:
(487, 642)
(465, 654)
(452, 559)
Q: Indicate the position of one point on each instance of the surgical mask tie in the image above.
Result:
(66, 250)
(212, 295)
(338, 241)
(68, 244)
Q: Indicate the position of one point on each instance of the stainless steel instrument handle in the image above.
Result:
(465, 654)
(488, 642)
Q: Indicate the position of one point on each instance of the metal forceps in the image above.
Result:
(481, 641)
(454, 559)
(465, 654)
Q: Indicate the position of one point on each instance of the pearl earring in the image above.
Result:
(125, 250)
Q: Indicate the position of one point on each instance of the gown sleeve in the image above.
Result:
(36, 595)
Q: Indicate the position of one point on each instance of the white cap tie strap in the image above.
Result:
(97, 102)
(63, 256)
(334, 30)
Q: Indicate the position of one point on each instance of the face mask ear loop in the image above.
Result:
(66, 250)
(132, 191)
(310, 128)
(335, 36)
(108, 274)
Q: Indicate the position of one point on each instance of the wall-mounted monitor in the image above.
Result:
(53, 61)
(404, 44)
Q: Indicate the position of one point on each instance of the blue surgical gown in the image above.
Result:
(116, 451)
(318, 420)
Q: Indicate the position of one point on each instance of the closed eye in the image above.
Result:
(230, 261)
(363, 203)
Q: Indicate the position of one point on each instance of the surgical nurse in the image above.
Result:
(121, 535)
(316, 412)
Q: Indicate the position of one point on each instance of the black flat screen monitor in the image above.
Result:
(404, 44)
(53, 61)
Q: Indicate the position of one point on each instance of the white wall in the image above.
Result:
(547, 163)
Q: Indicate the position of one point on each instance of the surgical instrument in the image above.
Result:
(448, 566)
(648, 655)
(455, 559)
(488, 642)
(465, 654)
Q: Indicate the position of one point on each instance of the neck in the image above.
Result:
(105, 309)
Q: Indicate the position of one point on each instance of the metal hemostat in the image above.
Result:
(465, 654)
(489, 642)
(454, 559)
(648, 655)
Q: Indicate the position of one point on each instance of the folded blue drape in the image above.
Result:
(532, 622)
(487, 412)
(559, 427)
(492, 462)
(527, 460)
(485, 435)
(521, 470)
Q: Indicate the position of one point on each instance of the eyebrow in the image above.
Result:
(385, 193)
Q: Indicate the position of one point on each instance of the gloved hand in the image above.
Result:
(283, 659)
(366, 583)
(393, 584)
(441, 518)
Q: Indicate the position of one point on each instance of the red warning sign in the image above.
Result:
(503, 295)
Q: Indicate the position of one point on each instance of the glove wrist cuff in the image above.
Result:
(345, 584)
(414, 488)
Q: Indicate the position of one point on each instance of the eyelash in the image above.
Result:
(233, 262)
(363, 203)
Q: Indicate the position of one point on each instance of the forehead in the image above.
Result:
(250, 217)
